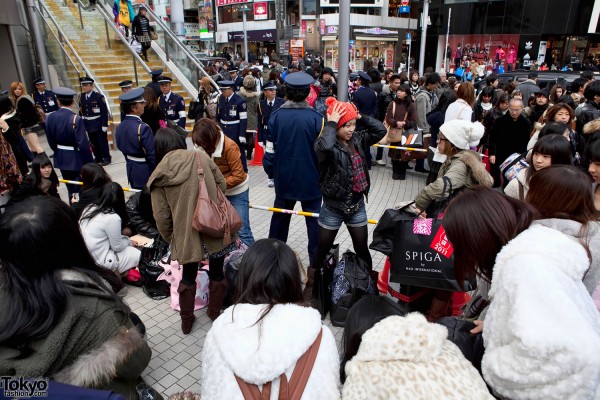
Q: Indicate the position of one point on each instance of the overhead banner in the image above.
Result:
(260, 11)
(228, 2)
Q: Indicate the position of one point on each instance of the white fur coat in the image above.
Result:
(410, 358)
(542, 329)
(261, 352)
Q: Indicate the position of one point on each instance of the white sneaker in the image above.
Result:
(380, 162)
(270, 182)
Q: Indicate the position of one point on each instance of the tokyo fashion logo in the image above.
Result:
(23, 388)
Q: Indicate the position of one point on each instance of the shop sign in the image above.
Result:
(376, 31)
(297, 43)
(404, 9)
(322, 26)
(228, 2)
(332, 29)
(280, 10)
(303, 29)
(542, 52)
(260, 11)
(264, 35)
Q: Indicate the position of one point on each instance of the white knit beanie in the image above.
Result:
(462, 134)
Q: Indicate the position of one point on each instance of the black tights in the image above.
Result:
(360, 237)
(215, 271)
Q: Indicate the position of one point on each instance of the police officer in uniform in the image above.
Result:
(365, 98)
(233, 75)
(155, 73)
(291, 160)
(171, 103)
(232, 116)
(125, 87)
(266, 107)
(135, 139)
(93, 110)
(45, 98)
(66, 135)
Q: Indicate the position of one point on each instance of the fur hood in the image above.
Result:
(386, 89)
(473, 162)
(261, 352)
(542, 329)
(591, 127)
(408, 356)
(245, 93)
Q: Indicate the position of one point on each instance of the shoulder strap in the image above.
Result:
(251, 391)
(74, 120)
(139, 138)
(301, 373)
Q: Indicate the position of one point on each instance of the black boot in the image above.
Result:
(398, 170)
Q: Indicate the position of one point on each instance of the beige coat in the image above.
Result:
(174, 189)
(464, 169)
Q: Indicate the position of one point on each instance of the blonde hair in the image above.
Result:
(14, 86)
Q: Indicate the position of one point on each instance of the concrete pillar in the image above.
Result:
(177, 17)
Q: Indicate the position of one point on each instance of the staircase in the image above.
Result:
(108, 66)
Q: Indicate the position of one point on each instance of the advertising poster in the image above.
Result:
(260, 11)
(322, 26)
(296, 49)
(389, 58)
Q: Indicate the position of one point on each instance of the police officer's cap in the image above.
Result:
(133, 96)
(63, 93)
(365, 76)
(85, 80)
(156, 72)
(226, 84)
(233, 70)
(126, 84)
(270, 85)
(299, 80)
(164, 79)
(38, 81)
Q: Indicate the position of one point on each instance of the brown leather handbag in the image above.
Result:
(215, 219)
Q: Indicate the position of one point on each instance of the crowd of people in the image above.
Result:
(530, 239)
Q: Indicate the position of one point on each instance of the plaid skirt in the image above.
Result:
(143, 39)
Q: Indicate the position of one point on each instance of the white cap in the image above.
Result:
(462, 134)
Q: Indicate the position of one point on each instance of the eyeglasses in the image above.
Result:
(442, 140)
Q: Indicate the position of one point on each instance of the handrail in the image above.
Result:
(180, 44)
(64, 51)
(68, 43)
(136, 56)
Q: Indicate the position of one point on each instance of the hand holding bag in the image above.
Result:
(394, 134)
(215, 219)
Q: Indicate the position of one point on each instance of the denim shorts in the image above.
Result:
(332, 219)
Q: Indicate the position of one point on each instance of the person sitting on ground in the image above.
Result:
(102, 224)
(60, 316)
(536, 276)
(549, 150)
(93, 177)
(41, 181)
(387, 355)
(141, 219)
(561, 196)
(264, 334)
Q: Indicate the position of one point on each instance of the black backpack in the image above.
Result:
(351, 282)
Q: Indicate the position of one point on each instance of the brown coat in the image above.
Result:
(230, 163)
(174, 189)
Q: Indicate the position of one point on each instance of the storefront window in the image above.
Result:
(363, 54)
(309, 7)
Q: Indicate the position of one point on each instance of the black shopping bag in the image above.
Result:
(150, 269)
(323, 277)
(423, 256)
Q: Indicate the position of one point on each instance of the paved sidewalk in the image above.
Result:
(175, 364)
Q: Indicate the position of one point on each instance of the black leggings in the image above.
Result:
(215, 271)
(360, 237)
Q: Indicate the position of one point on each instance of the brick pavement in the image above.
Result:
(175, 364)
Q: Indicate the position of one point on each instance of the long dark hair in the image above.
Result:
(39, 161)
(493, 220)
(269, 274)
(111, 200)
(555, 146)
(408, 99)
(448, 97)
(362, 316)
(93, 176)
(563, 191)
(6, 105)
(165, 141)
(33, 234)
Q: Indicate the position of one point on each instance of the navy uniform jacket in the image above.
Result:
(66, 135)
(174, 109)
(232, 117)
(46, 100)
(365, 100)
(137, 148)
(239, 82)
(94, 111)
(289, 153)
(264, 113)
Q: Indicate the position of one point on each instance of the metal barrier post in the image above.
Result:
(166, 45)
(135, 71)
